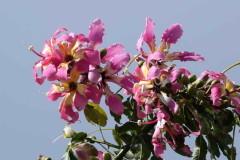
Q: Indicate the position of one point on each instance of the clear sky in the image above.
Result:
(29, 123)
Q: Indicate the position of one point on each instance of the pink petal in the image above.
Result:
(172, 34)
(66, 111)
(49, 72)
(184, 56)
(148, 35)
(154, 72)
(140, 44)
(62, 73)
(173, 106)
(94, 94)
(80, 101)
(83, 39)
(140, 113)
(37, 66)
(156, 56)
(112, 51)
(96, 32)
(216, 94)
(94, 74)
(114, 103)
(93, 57)
(59, 31)
(82, 66)
(186, 149)
(117, 63)
(158, 148)
(53, 95)
(124, 81)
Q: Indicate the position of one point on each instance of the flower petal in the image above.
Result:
(96, 32)
(114, 103)
(173, 106)
(93, 93)
(49, 72)
(216, 94)
(112, 51)
(172, 34)
(93, 57)
(148, 35)
(80, 101)
(184, 56)
(154, 72)
(37, 66)
(94, 74)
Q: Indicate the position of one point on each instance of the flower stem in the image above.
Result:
(238, 63)
(106, 143)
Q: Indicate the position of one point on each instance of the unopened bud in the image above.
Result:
(68, 132)
(107, 156)
(191, 89)
(103, 52)
(166, 51)
(226, 103)
(192, 78)
(184, 79)
(140, 63)
(199, 83)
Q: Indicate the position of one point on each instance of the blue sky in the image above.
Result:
(29, 123)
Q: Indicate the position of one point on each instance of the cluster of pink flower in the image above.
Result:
(75, 62)
(159, 89)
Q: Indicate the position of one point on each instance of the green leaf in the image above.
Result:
(129, 126)
(213, 146)
(94, 114)
(145, 152)
(200, 149)
(78, 137)
(116, 117)
(116, 137)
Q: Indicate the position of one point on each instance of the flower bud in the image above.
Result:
(199, 83)
(103, 52)
(140, 63)
(226, 103)
(192, 78)
(184, 79)
(191, 89)
(68, 132)
(107, 156)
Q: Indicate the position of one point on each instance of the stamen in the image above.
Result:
(234, 91)
(151, 122)
(31, 48)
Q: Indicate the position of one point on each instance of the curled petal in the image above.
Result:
(66, 109)
(148, 35)
(158, 148)
(172, 34)
(59, 31)
(124, 81)
(96, 32)
(82, 66)
(37, 66)
(173, 106)
(140, 113)
(112, 51)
